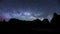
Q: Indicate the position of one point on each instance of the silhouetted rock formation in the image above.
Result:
(45, 21)
(55, 14)
(55, 19)
(13, 20)
(37, 21)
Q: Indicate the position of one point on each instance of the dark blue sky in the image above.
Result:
(29, 9)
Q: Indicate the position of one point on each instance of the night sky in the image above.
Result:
(29, 9)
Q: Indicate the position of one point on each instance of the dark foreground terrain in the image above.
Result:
(15, 25)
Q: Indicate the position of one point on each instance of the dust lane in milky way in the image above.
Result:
(29, 9)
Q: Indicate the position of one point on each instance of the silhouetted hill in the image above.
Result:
(37, 20)
(45, 21)
(14, 20)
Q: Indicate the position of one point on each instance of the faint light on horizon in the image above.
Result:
(41, 19)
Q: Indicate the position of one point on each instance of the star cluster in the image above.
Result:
(29, 9)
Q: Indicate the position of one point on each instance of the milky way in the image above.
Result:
(29, 9)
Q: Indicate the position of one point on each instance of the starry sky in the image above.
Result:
(29, 9)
